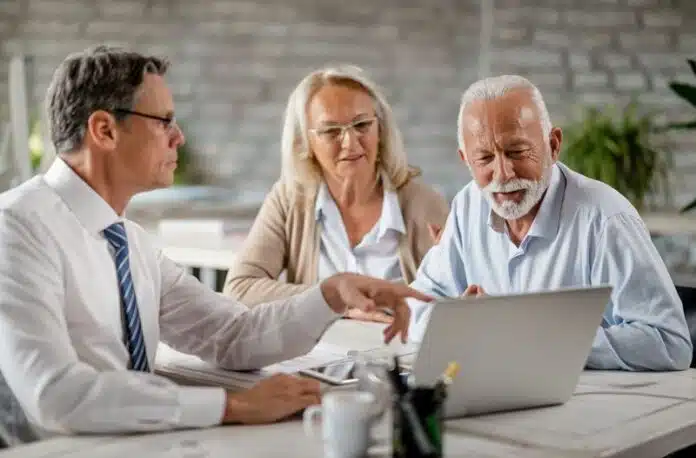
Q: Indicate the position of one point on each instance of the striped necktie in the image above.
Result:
(116, 236)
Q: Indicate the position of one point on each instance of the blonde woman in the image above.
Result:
(347, 200)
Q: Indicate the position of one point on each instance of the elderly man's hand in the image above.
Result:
(474, 290)
(345, 291)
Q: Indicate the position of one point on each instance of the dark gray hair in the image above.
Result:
(99, 78)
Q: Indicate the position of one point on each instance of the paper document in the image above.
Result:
(170, 362)
(321, 354)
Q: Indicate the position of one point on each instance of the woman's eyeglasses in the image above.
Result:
(335, 132)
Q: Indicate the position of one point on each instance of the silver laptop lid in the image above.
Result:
(515, 351)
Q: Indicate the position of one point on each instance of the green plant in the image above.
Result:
(688, 93)
(36, 145)
(617, 148)
(183, 173)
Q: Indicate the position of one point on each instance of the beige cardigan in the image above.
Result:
(285, 236)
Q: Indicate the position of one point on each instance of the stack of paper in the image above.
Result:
(405, 352)
(172, 363)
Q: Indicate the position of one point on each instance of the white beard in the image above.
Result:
(534, 190)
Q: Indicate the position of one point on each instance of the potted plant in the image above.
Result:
(183, 174)
(686, 92)
(618, 149)
(36, 144)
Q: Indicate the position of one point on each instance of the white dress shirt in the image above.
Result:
(376, 255)
(62, 347)
(584, 234)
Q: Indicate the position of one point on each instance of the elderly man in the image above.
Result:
(85, 297)
(528, 223)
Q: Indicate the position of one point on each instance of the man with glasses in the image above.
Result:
(85, 298)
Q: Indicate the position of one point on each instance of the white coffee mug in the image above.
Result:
(346, 419)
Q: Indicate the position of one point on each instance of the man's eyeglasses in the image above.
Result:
(168, 123)
(335, 132)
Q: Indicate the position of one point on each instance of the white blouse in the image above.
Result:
(376, 255)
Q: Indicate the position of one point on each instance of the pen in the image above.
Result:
(450, 372)
(421, 439)
(395, 374)
(445, 380)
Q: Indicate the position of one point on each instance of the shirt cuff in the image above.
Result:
(201, 407)
(313, 312)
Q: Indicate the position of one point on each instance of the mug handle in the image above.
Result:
(309, 418)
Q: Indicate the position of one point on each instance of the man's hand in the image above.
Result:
(435, 232)
(345, 291)
(376, 316)
(474, 290)
(271, 399)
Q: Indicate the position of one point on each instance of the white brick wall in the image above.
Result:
(610, 50)
(235, 62)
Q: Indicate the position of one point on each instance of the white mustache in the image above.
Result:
(516, 184)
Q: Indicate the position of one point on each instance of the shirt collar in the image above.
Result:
(548, 218)
(391, 217)
(90, 208)
(322, 200)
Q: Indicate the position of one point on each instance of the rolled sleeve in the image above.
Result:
(645, 328)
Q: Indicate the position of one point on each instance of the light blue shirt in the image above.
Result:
(585, 233)
(376, 255)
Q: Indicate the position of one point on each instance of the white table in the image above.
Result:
(210, 254)
(279, 440)
(613, 414)
(617, 423)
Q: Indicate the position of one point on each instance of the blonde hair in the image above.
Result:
(299, 169)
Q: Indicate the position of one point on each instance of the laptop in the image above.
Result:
(515, 351)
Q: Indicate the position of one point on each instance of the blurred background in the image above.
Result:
(607, 69)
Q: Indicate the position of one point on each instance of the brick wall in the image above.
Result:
(596, 52)
(235, 62)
